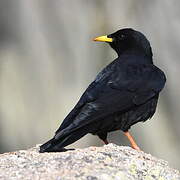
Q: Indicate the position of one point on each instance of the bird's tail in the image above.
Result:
(57, 145)
(46, 146)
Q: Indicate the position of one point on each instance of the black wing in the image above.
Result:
(90, 95)
(118, 87)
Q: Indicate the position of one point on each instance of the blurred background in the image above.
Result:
(48, 59)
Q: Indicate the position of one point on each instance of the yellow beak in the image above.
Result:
(103, 39)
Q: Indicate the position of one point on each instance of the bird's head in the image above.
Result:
(127, 40)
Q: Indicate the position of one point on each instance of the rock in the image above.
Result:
(93, 163)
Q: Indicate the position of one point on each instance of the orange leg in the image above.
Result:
(133, 143)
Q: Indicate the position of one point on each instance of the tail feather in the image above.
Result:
(57, 145)
(46, 146)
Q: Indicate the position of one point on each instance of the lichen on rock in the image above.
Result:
(93, 163)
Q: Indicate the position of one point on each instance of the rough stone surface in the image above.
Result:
(93, 163)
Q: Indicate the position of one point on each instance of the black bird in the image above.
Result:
(124, 93)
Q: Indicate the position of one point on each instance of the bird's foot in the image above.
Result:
(136, 147)
(105, 142)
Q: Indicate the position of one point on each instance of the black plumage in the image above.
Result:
(123, 93)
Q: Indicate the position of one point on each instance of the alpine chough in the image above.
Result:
(124, 93)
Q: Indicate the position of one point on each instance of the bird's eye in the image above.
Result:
(122, 36)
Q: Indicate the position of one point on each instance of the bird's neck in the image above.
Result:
(146, 58)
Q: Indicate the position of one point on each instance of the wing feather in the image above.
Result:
(117, 88)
